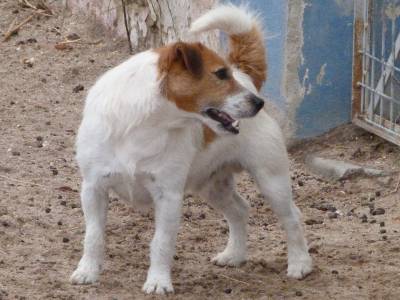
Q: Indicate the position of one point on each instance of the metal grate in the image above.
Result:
(376, 67)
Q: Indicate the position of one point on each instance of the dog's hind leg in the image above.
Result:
(277, 189)
(94, 198)
(221, 195)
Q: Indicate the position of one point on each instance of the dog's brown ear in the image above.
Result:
(185, 54)
(190, 57)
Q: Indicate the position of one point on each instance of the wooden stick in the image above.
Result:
(69, 41)
(15, 29)
(234, 279)
(27, 3)
(12, 24)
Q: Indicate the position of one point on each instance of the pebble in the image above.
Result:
(47, 210)
(59, 223)
(78, 88)
(202, 216)
(364, 218)
(299, 293)
(333, 215)
(378, 211)
(65, 240)
(335, 272)
(63, 203)
(324, 206)
(378, 193)
(382, 231)
(313, 222)
(300, 183)
(382, 224)
(228, 291)
(15, 153)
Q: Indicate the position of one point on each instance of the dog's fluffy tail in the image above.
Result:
(247, 50)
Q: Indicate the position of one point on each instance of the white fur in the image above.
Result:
(134, 141)
(228, 18)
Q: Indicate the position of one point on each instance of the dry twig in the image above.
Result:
(14, 30)
(234, 279)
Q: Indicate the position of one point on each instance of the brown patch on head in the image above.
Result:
(188, 76)
(248, 54)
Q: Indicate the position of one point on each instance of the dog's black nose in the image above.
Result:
(256, 101)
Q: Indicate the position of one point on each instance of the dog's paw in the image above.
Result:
(159, 284)
(229, 258)
(85, 273)
(300, 268)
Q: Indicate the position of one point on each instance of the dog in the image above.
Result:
(182, 118)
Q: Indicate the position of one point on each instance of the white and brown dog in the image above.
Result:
(166, 121)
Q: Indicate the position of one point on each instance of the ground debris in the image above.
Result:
(339, 170)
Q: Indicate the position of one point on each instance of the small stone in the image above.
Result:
(313, 222)
(323, 206)
(202, 216)
(47, 210)
(372, 221)
(382, 231)
(78, 88)
(59, 223)
(54, 171)
(333, 215)
(378, 211)
(300, 183)
(299, 293)
(335, 272)
(364, 218)
(382, 224)
(313, 250)
(378, 193)
(73, 37)
(187, 214)
(73, 205)
(384, 237)
(228, 291)
(176, 257)
(65, 240)
(15, 153)
(31, 40)
(91, 60)
(63, 203)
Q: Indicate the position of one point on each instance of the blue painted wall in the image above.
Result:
(328, 36)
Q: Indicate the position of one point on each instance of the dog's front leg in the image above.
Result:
(167, 204)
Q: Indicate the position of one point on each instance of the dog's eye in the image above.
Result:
(222, 73)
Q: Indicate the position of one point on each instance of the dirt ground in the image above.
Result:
(41, 223)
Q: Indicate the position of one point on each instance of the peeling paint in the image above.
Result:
(293, 88)
(321, 74)
(346, 7)
(392, 11)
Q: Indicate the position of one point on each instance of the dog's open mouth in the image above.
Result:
(226, 121)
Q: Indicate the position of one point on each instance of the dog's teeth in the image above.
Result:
(235, 124)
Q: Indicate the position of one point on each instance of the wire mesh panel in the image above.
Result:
(376, 67)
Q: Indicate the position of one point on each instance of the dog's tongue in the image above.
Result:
(225, 119)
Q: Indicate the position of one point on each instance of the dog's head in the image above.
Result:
(199, 81)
